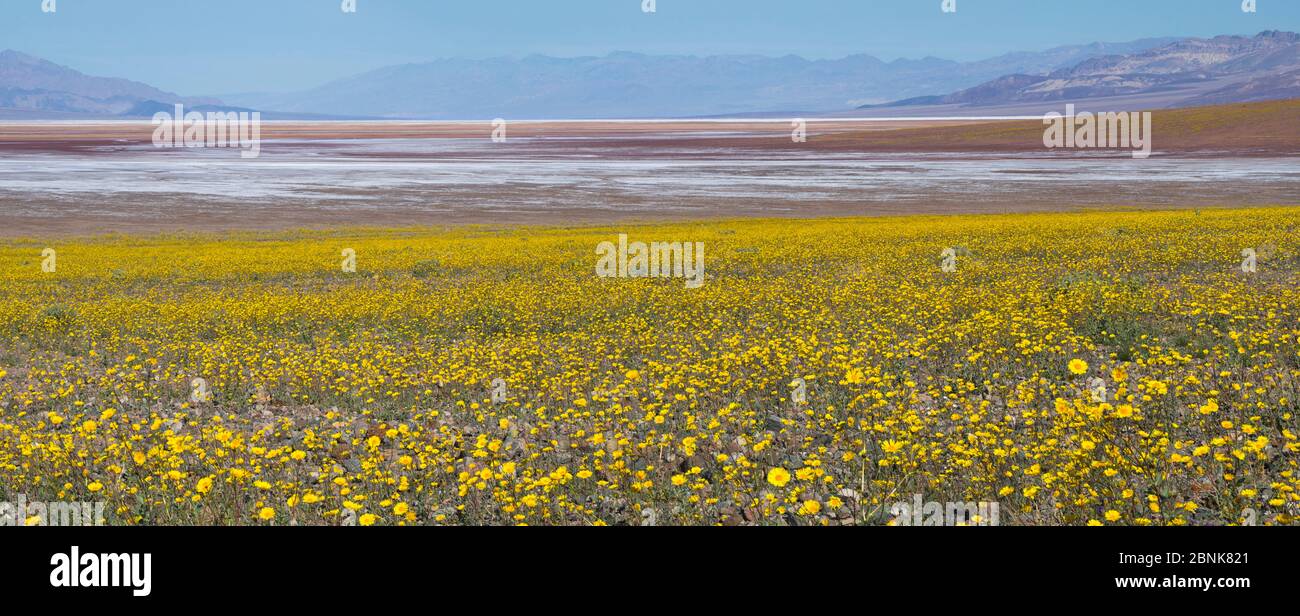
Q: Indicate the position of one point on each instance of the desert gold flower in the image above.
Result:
(637, 403)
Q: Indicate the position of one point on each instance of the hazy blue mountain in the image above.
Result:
(1223, 69)
(32, 84)
(636, 85)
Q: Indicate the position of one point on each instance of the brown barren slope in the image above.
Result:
(1268, 128)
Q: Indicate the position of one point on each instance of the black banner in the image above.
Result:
(328, 567)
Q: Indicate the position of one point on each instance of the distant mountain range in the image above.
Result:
(34, 85)
(1149, 73)
(1184, 73)
(631, 85)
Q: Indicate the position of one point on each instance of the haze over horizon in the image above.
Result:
(291, 45)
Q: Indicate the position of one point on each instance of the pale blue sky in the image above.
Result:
(226, 46)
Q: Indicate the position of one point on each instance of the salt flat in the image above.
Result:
(82, 179)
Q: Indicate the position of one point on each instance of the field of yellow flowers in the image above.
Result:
(1077, 368)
